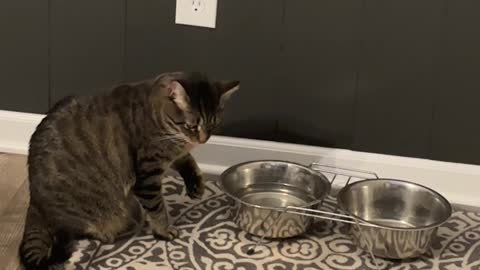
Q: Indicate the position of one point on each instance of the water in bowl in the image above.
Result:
(274, 195)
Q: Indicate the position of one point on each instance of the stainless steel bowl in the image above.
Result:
(405, 216)
(262, 189)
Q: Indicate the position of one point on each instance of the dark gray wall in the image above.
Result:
(87, 46)
(24, 59)
(386, 76)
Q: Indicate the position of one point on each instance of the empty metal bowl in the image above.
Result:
(262, 189)
(405, 216)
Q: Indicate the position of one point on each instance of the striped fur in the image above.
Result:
(96, 163)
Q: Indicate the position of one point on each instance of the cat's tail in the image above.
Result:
(39, 247)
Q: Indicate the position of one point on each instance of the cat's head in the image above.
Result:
(196, 104)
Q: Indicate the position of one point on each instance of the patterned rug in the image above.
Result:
(210, 240)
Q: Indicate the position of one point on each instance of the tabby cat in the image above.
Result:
(96, 163)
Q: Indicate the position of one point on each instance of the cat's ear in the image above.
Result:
(178, 95)
(227, 88)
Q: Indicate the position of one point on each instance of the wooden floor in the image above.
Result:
(13, 204)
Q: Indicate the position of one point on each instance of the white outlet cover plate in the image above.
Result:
(196, 12)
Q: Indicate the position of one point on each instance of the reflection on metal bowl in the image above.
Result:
(405, 216)
(262, 189)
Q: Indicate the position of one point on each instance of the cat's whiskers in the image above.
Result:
(173, 137)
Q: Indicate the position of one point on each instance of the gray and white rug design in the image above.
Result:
(210, 240)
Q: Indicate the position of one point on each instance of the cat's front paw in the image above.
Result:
(196, 189)
(167, 234)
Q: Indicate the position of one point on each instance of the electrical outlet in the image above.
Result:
(196, 12)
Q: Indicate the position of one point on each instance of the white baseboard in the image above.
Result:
(459, 183)
(16, 129)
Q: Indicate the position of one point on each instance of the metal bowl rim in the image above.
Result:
(341, 204)
(316, 201)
